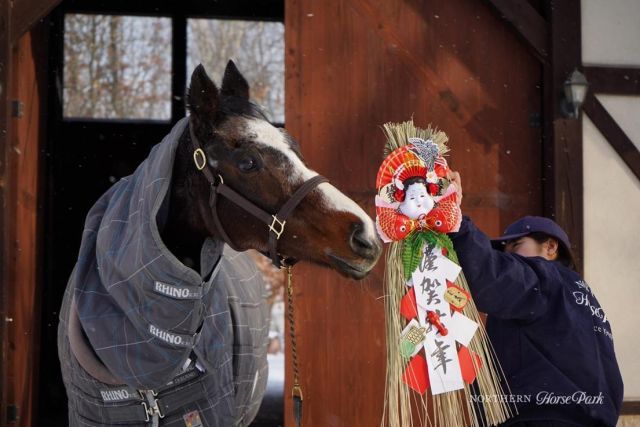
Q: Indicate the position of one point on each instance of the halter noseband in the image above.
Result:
(275, 222)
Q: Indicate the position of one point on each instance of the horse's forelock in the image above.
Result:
(235, 106)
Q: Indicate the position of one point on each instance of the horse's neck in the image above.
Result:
(183, 244)
(181, 233)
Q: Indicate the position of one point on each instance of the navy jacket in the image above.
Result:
(550, 335)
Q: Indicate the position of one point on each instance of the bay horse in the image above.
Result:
(164, 324)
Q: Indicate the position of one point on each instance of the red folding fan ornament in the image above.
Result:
(400, 165)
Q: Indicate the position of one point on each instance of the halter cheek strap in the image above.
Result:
(275, 222)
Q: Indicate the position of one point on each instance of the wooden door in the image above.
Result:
(22, 270)
(353, 65)
(86, 155)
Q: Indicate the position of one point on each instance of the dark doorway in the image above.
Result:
(99, 134)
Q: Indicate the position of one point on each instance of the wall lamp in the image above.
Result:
(575, 92)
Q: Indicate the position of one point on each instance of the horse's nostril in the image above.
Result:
(362, 244)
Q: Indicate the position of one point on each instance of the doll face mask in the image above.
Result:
(417, 201)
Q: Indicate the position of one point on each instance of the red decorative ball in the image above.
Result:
(399, 195)
(433, 189)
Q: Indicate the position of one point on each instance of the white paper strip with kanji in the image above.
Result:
(430, 283)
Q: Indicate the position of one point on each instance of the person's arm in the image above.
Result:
(503, 285)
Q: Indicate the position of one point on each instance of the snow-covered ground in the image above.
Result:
(275, 384)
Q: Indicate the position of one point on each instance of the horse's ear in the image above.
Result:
(233, 83)
(203, 97)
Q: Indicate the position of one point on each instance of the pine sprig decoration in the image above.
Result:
(413, 249)
(441, 241)
(412, 252)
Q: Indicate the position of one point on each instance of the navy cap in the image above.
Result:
(532, 224)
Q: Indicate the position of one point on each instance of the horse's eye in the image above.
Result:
(248, 164)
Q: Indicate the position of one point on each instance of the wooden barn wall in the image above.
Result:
(352, 65)
(5, 56)
(28, 62)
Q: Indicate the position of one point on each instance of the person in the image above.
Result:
(549, 332)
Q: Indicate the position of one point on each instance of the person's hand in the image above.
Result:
(454, 177)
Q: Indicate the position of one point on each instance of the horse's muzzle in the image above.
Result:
(350, 269)
(364, 245)
(366, 251)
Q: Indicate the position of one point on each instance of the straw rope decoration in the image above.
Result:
(415, 239)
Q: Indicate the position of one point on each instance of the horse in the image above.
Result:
(164, 320)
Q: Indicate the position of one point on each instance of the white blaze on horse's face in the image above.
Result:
(332, 198)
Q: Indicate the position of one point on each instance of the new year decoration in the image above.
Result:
(438, 354)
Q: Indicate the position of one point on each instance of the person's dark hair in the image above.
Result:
(565, 256)
(400, 194)
(413, 180)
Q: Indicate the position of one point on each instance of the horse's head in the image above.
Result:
(263, 163)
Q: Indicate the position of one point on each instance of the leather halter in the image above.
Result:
(275, 222)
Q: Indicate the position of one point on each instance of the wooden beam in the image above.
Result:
(630, 408)
(178, 69)
(270, 10)
(25, 13)
(613, 133)
(613, 80)
(28, 87)
(5, 245)
(562, 142)
(532, 27)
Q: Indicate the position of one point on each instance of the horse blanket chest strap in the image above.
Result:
(146, 406)
(275, 222)
(134, 405)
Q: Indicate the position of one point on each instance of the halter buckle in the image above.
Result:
(279, 224)
(199, 158)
